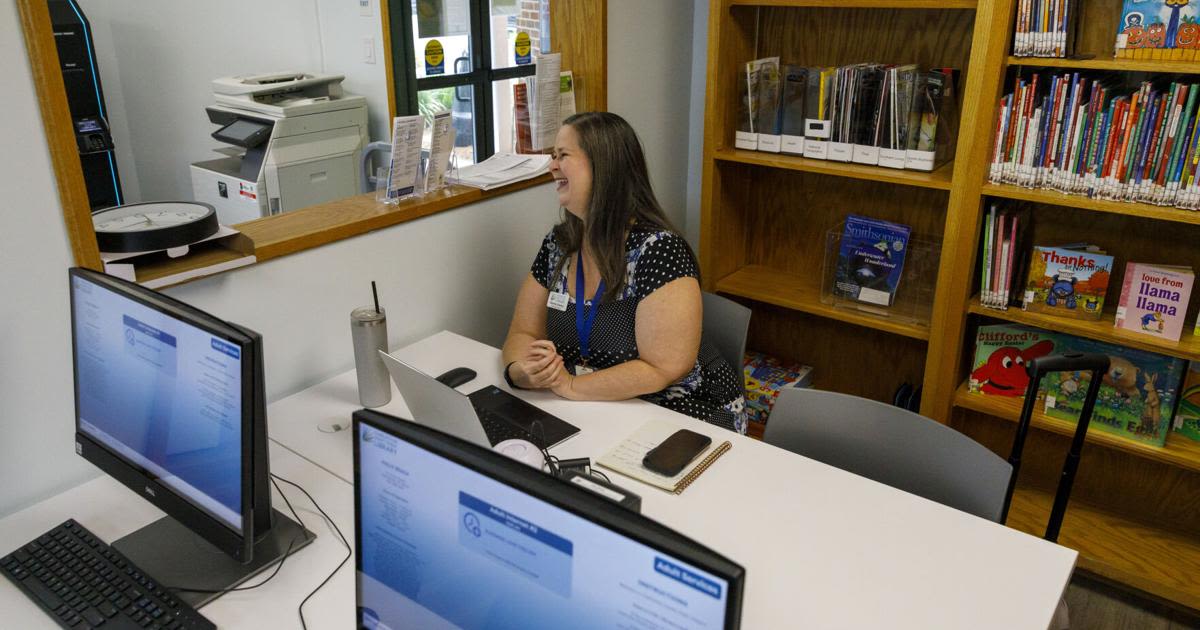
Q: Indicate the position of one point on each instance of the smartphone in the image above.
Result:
(676, 452)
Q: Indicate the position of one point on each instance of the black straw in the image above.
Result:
(375, 294)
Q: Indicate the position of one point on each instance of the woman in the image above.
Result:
(636, 332)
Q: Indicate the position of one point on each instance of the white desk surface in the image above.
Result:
(822, 548)
(111, 511)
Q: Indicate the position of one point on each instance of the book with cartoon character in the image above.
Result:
(1068, 280)
(1164, 30)
(1187, 417)
(1137, 394)
(870, 260)
(1154, 299)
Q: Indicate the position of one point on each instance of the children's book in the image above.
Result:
(870, 260)
(1069, 280)
(1154, 299)
(1158, 29)
(1137, 393)
(1187, 418)
(1001, 353)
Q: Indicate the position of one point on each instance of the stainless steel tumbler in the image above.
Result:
(368, 328)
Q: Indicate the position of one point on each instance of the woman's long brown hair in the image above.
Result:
(621, 198)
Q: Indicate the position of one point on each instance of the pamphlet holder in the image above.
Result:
(791, 144)
(769, 143)
(913, 300)
(866, 154)
(816, 139)
(920, 160)
(893, 158)
(745, 140)
(841, 151)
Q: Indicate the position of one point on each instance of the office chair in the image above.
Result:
(893, 446)
(725, 326)
(898, 448)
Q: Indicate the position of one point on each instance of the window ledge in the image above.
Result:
(318, 225)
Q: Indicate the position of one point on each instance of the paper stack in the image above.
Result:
(502, 169)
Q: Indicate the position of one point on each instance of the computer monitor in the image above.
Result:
(169, 401)
(451, 535)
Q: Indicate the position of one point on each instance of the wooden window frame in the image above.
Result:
(573, 33)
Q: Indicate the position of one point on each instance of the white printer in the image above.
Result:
(296, 140)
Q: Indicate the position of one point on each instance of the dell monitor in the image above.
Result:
(169, 402)
(451, 535)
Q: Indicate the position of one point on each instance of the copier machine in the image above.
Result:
(296, 140)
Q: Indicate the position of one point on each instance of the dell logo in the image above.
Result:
(150, 491)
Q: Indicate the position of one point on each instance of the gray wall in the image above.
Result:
(649, 80)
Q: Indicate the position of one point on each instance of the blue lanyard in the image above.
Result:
(584, 316)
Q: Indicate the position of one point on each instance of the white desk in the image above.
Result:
(111, 511)
(822, 548)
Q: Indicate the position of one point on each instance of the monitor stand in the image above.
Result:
(176, 557)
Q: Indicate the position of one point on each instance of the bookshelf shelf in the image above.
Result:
(1142, 210)
(1162, 562)
(863, 4)
(763, 284)
(1179, 451)
(1188, 346)
(1116, 65)
(938, 179)
(1132, 514)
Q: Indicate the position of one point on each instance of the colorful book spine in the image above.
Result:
(1080, 136)
(1043, 28)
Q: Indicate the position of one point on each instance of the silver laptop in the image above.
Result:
(485, 417)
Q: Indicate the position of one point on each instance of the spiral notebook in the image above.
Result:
(626, 457)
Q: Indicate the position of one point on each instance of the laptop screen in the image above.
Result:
(443, 545)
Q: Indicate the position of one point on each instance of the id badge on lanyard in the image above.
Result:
(585, 317)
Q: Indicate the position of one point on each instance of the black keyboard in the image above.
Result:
(84, 583)
(498, 428)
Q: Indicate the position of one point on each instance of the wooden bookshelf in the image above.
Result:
(1188, 346)
(1108, 63)
(863, 4)
(938, 179)
(1145, 556)
(1178, 451)
(1052, 197)
(763, 223)
(796, 292)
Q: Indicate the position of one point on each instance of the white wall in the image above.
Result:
(649, 79)
(36, 408)
(457, 270)
(157, 61)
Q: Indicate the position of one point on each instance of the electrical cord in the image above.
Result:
(554, 464)
(300, 609)
(282, 560)
(349, 550)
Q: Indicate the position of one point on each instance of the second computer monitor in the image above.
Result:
(451, 535)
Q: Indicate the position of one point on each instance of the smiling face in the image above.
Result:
(572, 171)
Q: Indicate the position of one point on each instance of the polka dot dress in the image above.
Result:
(712, 391)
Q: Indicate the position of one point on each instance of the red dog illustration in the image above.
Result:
(1004, 372)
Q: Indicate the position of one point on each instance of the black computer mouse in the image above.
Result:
(457, 376)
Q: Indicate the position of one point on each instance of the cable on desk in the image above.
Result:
(349, 550)
(286, 554)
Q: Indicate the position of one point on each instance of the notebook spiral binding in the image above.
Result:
(702, 466)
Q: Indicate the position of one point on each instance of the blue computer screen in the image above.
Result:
(163, 394)
(443, 546)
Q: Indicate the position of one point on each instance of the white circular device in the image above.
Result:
(522, 451)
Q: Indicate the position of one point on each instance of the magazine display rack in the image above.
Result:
(764, 241)
(912, 302)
